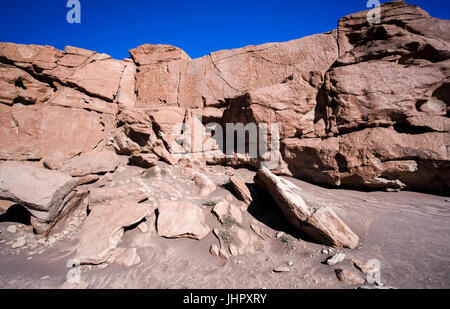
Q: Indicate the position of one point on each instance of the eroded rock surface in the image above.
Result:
(320, 223)
(104, 228)
(47, 195)
(363, 106)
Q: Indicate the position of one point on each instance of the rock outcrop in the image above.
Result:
(363, 106)
(47, 195)
(320, 223)
(385, 106)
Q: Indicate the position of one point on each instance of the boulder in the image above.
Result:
(348, 277)
(206, 185)
(320, 223)
(126, 95)
(181, 220)
(241, 190)
(104, 228)
(47, 195)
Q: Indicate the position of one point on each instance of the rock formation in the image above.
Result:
(319, 222)
(363, 106)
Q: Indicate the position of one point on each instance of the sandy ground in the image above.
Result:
(407, 232)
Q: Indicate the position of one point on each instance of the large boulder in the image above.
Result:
(47, 195)
(320, 223)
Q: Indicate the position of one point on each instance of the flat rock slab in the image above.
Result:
(45, 194)
(91, 163)
(104, 228)
(321, 224)
(181, 220)
(241, 190)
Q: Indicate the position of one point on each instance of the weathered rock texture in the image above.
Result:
(319, 222)
(181, 220)
(47, 195)
(363, 106)
(104, 228)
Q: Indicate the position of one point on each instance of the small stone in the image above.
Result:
(324, 251)
(279, 234)
(290, 263)
(378, 283)
(348, 277)
(335, 259)
(364, 268)
(19, 243)
(223, 254)
(45, 277)
(282, 270)
(29, 258)
(12, 229)
(214, 250)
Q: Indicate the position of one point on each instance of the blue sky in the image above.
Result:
(199, 27)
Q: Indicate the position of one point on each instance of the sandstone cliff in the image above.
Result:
(362, 106)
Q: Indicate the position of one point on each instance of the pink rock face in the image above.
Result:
(17, 86)
(167, 76)
(34, 132)
(361, 106)
(101, 77)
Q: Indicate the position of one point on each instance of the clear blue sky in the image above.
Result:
(197, 26)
